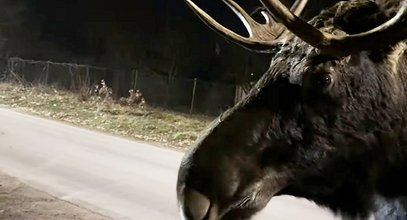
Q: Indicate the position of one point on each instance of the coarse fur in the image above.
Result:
(329, 129)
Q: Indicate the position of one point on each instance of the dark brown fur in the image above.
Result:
(341, 143)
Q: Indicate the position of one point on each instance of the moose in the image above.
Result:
(326, 122)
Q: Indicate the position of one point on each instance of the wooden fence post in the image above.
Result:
(193, 98)
(10, 65)
(135, 79)
(46, 73)
(87, 77)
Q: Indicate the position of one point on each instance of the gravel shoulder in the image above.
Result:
(21, 202)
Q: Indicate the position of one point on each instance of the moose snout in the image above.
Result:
(196, 206)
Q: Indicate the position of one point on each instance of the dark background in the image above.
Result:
(157, 46)
(162, 35)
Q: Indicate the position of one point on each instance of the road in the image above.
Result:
(114, 176)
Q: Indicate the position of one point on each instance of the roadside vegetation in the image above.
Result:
(101, 113)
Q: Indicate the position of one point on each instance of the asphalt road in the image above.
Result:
(117, 177)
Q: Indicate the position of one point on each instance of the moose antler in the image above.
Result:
(392, 31)
(262, 37)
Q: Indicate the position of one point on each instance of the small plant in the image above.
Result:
(104, 91)
(135, 99)
(84, 94)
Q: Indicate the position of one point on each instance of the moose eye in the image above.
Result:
(321, 80)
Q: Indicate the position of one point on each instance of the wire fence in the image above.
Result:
(179, 94)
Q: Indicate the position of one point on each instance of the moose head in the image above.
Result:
(326, 122)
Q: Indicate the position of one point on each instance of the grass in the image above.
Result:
(153, 125)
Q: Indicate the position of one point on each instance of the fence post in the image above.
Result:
(135, 79)
(87, 77)
(46, 73)
(10, 66)
(193, 98)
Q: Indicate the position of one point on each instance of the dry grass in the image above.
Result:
(153, 125)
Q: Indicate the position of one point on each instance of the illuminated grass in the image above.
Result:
(153, 125)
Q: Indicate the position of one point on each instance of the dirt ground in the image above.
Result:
(21, 202)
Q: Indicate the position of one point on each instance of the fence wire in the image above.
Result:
(179, 94)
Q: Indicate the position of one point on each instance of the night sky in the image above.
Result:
(159, 34)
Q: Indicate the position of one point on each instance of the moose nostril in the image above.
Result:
(196, 205)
